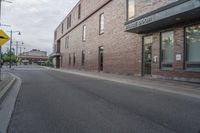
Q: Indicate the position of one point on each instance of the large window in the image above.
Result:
(131, 9)
(67, 42)
(84, 33)
(101, 23)
(167, 50)
(193, 47)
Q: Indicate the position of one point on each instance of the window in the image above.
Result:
(55, 35)
(69, 21)
(148, 40)
(101, 23)
(61, 60)
(193, 47)
(167, 50)
(58, 46)
(62, 28)
(84, 33)
(69, 59)
(131, 9)
(74, 59)
(79, 11)
(83, 58)
(67, 42)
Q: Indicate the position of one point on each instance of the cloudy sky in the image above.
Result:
(36, 20)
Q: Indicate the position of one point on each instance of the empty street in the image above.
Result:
(55, 102)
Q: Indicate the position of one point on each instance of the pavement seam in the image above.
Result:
(118, 80)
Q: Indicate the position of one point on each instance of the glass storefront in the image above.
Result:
(193, 47)
(167, 50)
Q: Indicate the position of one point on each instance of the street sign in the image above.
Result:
(3, 38)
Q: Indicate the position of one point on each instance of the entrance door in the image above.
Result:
(57, 62)
(147, 55)
(101, 58)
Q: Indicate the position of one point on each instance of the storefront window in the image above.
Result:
(131, 9)
(167, 50)
(193, 47)
(148, 40)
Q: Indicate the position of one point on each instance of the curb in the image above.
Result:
(7, 87)
(8, 104)
(163, 89)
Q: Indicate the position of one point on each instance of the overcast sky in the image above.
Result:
(36, 20)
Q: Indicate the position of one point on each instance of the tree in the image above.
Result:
(6, 57)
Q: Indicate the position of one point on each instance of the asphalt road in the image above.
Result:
(54, 102)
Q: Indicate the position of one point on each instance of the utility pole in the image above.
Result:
(0, 46)
(20, 50)
(16, 48)
(11, 37)
(10, 49)
(0, 64)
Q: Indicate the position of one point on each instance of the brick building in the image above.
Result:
(154, 38)
(33, 56)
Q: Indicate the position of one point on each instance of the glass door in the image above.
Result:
(147, 55)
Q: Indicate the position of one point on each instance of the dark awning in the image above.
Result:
(177, 12)
(55, 55)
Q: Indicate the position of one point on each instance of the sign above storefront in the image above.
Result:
(141, 22)
(177, 12)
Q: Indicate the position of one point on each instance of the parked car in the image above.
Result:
(25, 62)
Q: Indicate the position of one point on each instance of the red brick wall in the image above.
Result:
(122, 50)
(178, 66)
(145, 6)
(117, 52)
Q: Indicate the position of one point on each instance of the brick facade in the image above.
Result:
(122, 50)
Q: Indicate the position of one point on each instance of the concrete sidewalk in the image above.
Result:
(8, 96)
(6, 78)
(177, 87)
(7, 81)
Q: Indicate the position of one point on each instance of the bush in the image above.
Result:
(6, 57)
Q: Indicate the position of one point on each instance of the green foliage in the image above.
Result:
(6, 57)
(48, 63)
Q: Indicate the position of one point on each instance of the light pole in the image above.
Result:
(0, 46)
(0, 62)
(20, 51)
(17, 46)
(11, 37)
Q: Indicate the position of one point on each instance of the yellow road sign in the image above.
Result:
(3, 37)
